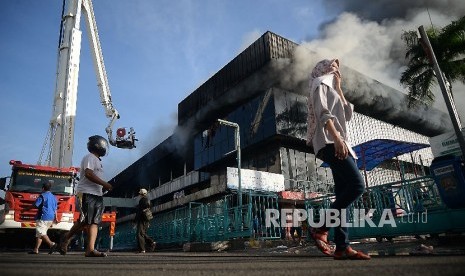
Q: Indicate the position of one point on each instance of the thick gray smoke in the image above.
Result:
(373, 48)
(381, 10)
(367, 37)
(246, 89)
(370, 97)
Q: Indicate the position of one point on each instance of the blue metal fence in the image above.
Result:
(415, 205)
(204, 222)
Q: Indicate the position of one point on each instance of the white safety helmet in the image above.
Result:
(143, 192)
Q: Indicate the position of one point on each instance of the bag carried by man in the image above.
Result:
(147, 214)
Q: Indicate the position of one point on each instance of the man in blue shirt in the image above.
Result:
(46, 216)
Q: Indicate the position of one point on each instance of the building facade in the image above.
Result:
(259, 91)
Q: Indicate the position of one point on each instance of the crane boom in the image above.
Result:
(102, 81)
(60, 136)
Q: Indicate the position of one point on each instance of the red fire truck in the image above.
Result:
(25, 182)
(25, 185)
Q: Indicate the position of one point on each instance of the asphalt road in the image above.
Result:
(223, 263)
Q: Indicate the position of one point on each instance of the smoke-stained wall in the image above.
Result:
(382, 102)
(272, 70)
(286, 65)
(160, 165)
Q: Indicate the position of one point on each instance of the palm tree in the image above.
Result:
(449, 47)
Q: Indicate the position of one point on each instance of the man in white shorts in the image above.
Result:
(46, 216)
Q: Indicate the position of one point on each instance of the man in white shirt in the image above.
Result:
(90, 191)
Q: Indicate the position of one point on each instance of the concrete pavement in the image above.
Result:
(400, 246)
(397, 257)
(223, 263)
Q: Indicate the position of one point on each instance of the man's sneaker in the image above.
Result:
(350, 254)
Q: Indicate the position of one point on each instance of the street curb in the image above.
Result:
(213, 246)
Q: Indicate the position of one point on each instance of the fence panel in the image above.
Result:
(415, 205)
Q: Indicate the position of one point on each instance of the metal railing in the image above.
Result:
(415, 204)
(206, 222)
(402, 197)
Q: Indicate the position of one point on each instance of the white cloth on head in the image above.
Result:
(326, 104)
(143, 191)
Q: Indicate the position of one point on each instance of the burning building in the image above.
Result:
(264, 90)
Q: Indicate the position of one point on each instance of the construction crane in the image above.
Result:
(59, 140)
(24, 185)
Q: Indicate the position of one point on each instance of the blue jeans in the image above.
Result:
(348, 186)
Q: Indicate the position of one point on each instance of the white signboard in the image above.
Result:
(255, 180)
(445, 144)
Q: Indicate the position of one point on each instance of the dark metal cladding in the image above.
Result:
(377, 100)
(157, 166)
(272, 115)
(369, 96)
(268, 46)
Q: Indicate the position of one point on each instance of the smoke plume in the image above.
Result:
(367, 37)
(382, 10)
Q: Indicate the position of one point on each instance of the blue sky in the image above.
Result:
(158, 52)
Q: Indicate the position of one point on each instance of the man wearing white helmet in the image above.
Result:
(143, 223)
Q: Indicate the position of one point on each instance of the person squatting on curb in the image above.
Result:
(328, 114)
(143, 223)
(91, 185)
(46, 216)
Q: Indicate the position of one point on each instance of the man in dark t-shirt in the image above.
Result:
(142, 223)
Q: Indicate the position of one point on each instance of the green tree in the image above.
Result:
(449, 48)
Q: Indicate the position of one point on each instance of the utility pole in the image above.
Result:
(445, 92)
(238, 151)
